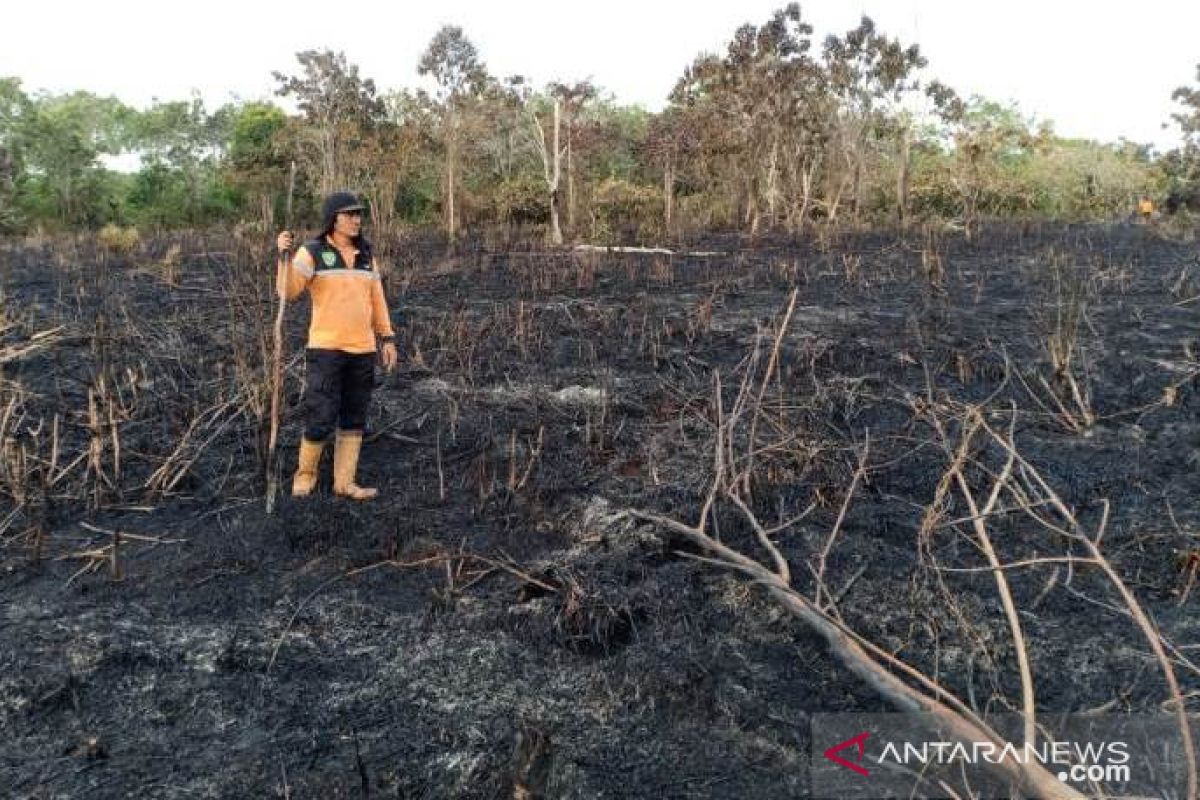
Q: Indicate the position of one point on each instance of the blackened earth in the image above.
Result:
(494, 623)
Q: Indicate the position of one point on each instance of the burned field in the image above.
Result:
(516, 616)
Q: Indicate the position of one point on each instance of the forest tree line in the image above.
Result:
(779, 132)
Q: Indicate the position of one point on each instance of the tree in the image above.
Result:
(906, 125)
(1082, 179)
(63, 138)
(504, 144)
(868, 74)
(760, 114)
(541, 111)
(15, 108)
(417, 115)
(338, 106)
(181, 146)
(387, 158)
(669, 143)
(573, 99)
(1182, 165)
(719, 147)
(180, 132)
(256, 163)
(453, 62)
(991, 142)
(1188, 118)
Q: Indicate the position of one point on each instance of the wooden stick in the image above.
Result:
(285, 267)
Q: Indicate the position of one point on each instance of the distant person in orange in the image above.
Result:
(350, 323)
(1145, 208)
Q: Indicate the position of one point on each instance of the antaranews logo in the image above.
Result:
(1075, 761)
(859, 742)
(906, 755)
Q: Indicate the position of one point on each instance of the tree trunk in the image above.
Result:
(752, 215)
(327, 143)
(556, 236)
(833, 203)
(451, 228)
(806, 181)
(668, 193)
(773, 181)
(857, 188)
(266, 209)
(451, 155)
(381, 193)
(902, 178)
(555, 231)
(570, 179)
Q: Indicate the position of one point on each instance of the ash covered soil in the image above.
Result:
(495, 623)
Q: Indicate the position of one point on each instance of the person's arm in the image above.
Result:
(381, 320)
(291, 282)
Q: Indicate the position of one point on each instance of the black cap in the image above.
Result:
(336, 203)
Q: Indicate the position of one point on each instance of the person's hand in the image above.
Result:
(284, 242)
(390, 356)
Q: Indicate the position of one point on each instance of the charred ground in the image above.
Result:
(494, 620)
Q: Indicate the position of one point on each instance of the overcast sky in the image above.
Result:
(1097, 69)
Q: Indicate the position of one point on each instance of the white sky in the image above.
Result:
(1098, 69)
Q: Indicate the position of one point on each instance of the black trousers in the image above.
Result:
(337, 392)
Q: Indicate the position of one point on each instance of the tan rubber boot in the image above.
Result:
(345, 466)
(305, 479)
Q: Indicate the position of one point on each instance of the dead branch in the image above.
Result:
(772, 362)
(36, 342)
(837, 525)
(1139, 615)
(863, 661)
(867, 661)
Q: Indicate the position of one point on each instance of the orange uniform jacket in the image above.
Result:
(348, 306)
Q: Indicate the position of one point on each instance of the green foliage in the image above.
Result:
(520, 200)
(161, 196)
(417, 200)
(780, 130)
(62, 138)
(181, 133)
(1181, 166)
(14, 109)
(453, 61)
(1080, 179)
(330, 90)
(340, 110)
(998, 163)
(253, 143)
(1188, 116)
(623, 210)
(256, 166)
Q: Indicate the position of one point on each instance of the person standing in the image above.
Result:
(1146, 208)
(350, 323)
